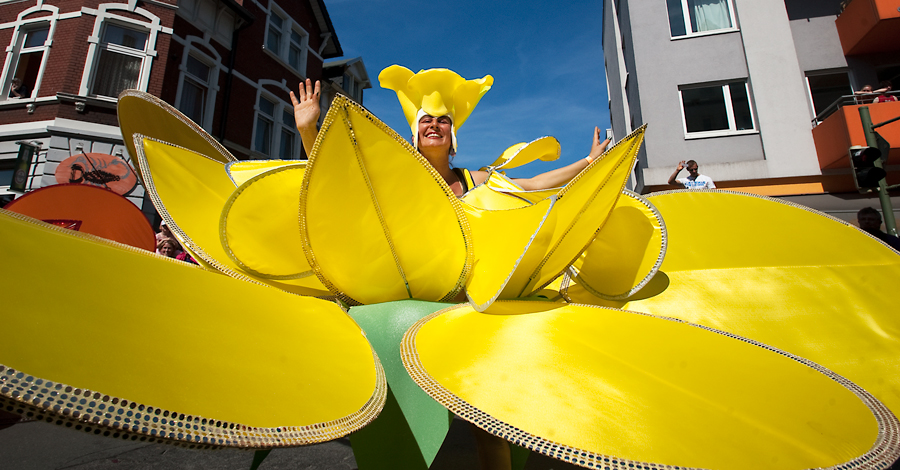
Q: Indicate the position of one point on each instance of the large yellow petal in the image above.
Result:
(190, 190)
(128, 341)
(605, 388)
(583, 207)
(782, 274)
(378, 222)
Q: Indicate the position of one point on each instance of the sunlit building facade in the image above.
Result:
(751, 89)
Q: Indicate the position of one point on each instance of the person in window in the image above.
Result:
(436, 140)
(18, 89)
(884, 89)
(694, 179)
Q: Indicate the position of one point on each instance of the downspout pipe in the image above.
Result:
(248, 20)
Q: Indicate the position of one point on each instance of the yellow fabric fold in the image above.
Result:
(626, 253)
(496, 257)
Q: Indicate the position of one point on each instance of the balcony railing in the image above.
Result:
(839, 127)
(850, 100)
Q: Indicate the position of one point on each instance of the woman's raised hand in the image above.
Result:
(306, 108)
(597, 146)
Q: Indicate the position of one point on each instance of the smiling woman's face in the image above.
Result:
(435, 132)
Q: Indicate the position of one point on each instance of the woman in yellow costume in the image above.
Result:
(710, 366)
(434, 122)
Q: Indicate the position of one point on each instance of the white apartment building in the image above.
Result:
(751, 89)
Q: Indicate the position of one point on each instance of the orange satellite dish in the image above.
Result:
(97, 169)
(88, 209)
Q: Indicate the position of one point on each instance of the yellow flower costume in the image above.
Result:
(603, 328)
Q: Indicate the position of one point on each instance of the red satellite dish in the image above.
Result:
(97, 169)
(88, 209)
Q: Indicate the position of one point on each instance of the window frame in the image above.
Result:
(729, 110)
(686, 17)
(285, 42)
(117, 49)
(820, 73)
(276, 126)
(212, 84)
(17, 42)
(105, 14)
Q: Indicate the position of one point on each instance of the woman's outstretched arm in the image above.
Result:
(561, 176)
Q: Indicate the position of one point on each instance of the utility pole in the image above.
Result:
(873, 139)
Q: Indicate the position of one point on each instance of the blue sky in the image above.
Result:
(546, 59)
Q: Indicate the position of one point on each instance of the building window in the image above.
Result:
(296, 55)
(827, 88)
(275, 134)
(27, 58)
(288, 133)
(350, 86)
(264, 118)
(210, 17)
(120, 60)
(121, 50)
(273, 37)
(697, 17)
(194, 89)
(717, 110)
(287, 40)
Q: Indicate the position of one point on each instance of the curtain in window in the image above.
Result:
(115, 73)
(192, 98)
(709, 15)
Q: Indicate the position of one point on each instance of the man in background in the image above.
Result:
(870, 220)
(694, 179)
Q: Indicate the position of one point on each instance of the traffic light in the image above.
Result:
(865, 174)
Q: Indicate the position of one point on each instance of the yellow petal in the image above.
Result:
(190, 191)
(152, 117)
(500, 238)
(626, 253)
(168, 350)
(260, 225)
(606, 387)
(583, 206)
(241, 171)
(782, 274)
(545, 149)
(378, 222)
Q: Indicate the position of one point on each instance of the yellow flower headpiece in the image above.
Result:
(436, 92)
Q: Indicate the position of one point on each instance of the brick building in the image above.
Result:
(227, 64)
